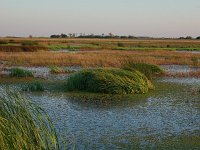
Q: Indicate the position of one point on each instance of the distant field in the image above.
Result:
(97, 52)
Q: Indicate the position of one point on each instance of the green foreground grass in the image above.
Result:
(25, 125)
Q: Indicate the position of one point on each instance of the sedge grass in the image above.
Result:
(109, 81)
(149, 70)
(25, 125)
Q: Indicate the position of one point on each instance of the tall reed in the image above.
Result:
(25, 125)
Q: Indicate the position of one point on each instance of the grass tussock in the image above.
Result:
(17, 72)
(60, 70)
(149, 70)
(24, 125)
(109, 81)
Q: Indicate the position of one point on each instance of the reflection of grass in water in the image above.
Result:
(24, 125)
(34, 87)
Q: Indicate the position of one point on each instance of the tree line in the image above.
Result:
(110, 35)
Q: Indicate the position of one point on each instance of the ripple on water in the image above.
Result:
(160, 115)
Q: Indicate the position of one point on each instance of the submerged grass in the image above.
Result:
(25, 125)
(109, 81)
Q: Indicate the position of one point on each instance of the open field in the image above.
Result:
(108, 44)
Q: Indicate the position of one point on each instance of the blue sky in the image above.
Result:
(158, 18)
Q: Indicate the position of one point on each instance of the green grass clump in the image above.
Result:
(25, 125)
(34, 87)
(58, 70)
(17, 72)
(148, 70)
(109, 81)
(64, 47)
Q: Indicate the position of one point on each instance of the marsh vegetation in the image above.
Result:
(109, 94)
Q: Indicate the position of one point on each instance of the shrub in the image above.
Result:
(34, 87)
(110, 81)
(17, 72)
(148, 70)
(24, 125)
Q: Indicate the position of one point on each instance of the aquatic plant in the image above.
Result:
(111, 81)
(148, 70)
(25, 125)
(18, 72)
(57, 70)
(34, 87)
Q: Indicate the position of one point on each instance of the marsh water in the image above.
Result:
(91, 121)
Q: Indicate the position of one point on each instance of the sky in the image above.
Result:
(155, 18)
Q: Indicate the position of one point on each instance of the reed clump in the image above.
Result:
(60, 70)
(109, 81)
(149, 70)
(25, 125)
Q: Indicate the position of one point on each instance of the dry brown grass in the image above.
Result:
(105, 42)
(22, 48)
(106, 58)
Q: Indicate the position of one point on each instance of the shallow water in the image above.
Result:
(191, 52)
(179, 68)
(170, 110)
(93, 121)
(44, 72)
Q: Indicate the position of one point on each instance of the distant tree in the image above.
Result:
(188, 37)
(63, 36)
(110, 34)
(198, 38)
(55, 36)
(181, 37)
